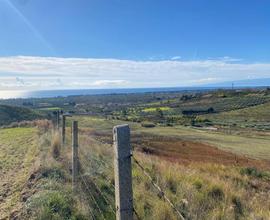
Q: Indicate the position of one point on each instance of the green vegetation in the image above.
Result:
(156, 109)
(256, 117)
(34, 185)
(254, 172)
(208, 151)
(50, 109)
(222, 108)
(9, 114)
(253, 145)
(18, 152)
(53, 201)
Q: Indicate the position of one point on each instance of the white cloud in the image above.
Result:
(205, 80)
(176, 58)
(110, 82)
(25, 72)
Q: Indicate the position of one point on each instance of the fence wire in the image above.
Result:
(162, 193)
(88, 205)
(98, 165)
(104, 197)
(93, 168)
(92, 196)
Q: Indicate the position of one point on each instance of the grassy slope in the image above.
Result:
(10, 114)
(18, 157)
(254, 147)
(199, 190)
(259, 113)
(34, 185)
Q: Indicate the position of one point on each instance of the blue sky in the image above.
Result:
(131, 43)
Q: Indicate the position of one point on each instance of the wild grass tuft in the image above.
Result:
(55, 172)
(238, 207)
(216, 193)
(54, 205)
(56, 145)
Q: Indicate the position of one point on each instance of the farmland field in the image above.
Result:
(205, 157)
(256, 147)
(19, 155)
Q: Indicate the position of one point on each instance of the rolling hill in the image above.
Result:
(9, 114)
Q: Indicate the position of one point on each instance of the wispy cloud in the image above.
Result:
(25, 72)
(176, 58)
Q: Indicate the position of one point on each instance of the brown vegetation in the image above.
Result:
(183, 151)
(56, 145)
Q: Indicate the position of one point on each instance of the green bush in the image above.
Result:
(254, 172)
(53, 173)
(54, 205)
(148, 125)
(198, 184)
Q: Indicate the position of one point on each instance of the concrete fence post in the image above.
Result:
(57, 120)
(63, 129)
(74, 154)
(123, 173)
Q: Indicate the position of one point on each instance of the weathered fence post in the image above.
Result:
(74, 154)
(57, 120)
(123, 173)
(63, 129)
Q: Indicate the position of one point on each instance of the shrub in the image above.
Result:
(53, 173)
(254, 172)
(54, 205)
(238, 207)
(172, 185)
(216, 193)
(148, 125)
(43, 125)
(198, 184)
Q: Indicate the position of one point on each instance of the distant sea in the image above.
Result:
(64, 93)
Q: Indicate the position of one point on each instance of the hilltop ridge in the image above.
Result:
(9, 114)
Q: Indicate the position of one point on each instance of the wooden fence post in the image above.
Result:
(63, 129)
(74, 154)
(123, 173)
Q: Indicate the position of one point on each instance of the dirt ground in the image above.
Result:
(182, 151)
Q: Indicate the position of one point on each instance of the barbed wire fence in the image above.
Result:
(105, 183)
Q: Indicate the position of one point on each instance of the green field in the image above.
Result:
(156, 109)
(18, 157)
(253, 146)
(256, 117)
(50, 109)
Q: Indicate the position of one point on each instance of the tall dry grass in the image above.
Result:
(56, 145)
(200, 191)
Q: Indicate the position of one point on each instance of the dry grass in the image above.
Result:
(43, 125)
(56, 145)
(200, 191)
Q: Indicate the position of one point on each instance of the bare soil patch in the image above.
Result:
(182, 151)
